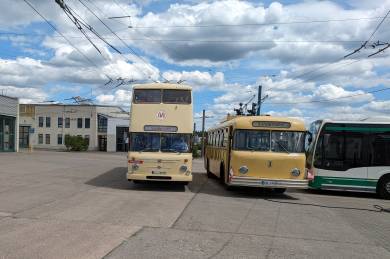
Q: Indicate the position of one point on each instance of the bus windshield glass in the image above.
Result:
(251, 140)
(288, 141)
(148, 142)
(264, 140)
(177, 96)
(147, 96)
(164, 142)
(175, 143)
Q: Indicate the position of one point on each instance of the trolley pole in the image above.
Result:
(203, 122)
(259, 100)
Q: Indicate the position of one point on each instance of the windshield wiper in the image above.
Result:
(282, 146)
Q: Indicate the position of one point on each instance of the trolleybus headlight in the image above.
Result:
(243, 169)
(183, 168)
(295, 172)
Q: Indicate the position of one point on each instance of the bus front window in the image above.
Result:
(148, 142)
(251, 140)
(175, 143)
(288, 141)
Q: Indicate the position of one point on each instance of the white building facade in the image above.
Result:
(9, 121)
(48, 124)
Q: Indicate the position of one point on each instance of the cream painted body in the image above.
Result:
(160, 166)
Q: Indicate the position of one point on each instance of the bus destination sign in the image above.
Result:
(272, 124)
(160, 128)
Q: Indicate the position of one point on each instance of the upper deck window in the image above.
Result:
(162, 96)
(177, 96)
(147, 96)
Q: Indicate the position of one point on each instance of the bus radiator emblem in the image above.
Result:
(161, 115)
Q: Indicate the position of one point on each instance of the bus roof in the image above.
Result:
(162, 86)
(381, 121)
(245, 122)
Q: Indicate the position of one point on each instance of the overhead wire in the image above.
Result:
(333, 99)
(189, 40)
(123, 42)
(256, 24)
(67, 40)
(355, 51)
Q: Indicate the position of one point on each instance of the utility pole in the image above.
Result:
(203, 125)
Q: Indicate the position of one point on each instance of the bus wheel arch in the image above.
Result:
(383, 186)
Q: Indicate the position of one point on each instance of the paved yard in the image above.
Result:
(79, 205)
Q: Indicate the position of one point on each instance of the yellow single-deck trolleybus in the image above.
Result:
(258, 151)
(161, 125)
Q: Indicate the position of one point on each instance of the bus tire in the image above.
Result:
(209, 174)
(383, 188)
(279, 190)
(222, 174)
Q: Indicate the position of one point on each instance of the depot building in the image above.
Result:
(9, 124)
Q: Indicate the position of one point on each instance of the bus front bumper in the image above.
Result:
(158, 177)
(268, 183)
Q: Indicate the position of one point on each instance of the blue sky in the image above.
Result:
(293, 48)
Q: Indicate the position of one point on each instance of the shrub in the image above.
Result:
(196, 150)
(76, 143)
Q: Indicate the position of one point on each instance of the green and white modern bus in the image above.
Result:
(352, 156)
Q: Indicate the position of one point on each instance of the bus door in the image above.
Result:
(379, 156)
(341, 158)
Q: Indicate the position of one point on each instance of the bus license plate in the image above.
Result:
(269, 183)
(158, 172)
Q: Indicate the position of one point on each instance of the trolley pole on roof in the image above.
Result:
(259, 100)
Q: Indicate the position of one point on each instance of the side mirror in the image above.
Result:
(310, 137)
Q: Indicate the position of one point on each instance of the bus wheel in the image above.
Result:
(279, 190)
(222, 174)
(384, 187)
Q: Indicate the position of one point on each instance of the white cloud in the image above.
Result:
(199, 80)
(120, 98)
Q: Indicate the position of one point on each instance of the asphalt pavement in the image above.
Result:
(79, 205)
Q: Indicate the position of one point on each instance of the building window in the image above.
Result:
(60, 122)
(47, 139)
(40, 138)
(48, 122)
(87, 139)
(79, 123)
(102, 124)
(40, 119)
(87, 123)
(59, 139)
(67, 123)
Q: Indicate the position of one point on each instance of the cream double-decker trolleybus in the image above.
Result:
(258, 151)
(161, 125)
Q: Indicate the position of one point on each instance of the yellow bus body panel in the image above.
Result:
(265, 169)
(268, 165)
